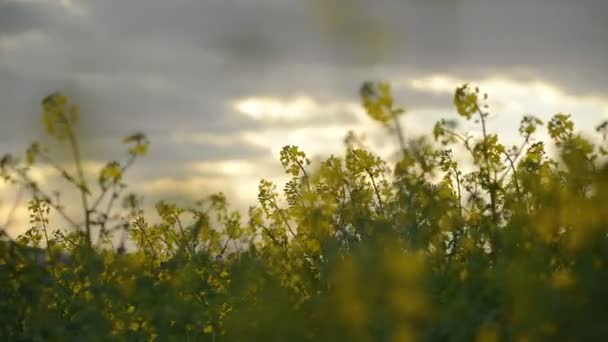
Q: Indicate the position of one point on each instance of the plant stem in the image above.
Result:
(399, 131)
(83, 185)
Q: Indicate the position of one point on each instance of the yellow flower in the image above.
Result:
(208, 329)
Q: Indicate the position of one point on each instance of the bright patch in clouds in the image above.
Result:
(313, 139)
(433, 84)
(228, 167)
(317, 128)
(511, 92)
(261, 108)
(241, 190)
(14, 217)
(270, 109)
(511, 99)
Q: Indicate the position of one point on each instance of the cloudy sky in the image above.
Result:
(219, 86)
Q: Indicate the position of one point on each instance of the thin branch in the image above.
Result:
(225, 247)
(482, 117)
(66, 175)
(304, 173)
(83, 184)
(271, 236)
(146, 238)
(106, 213)
(457, 174)
(399, 132)
(380, 204)
(512, 163)
(183, 242)
(98, 200)
(37, 191)
(514, 158)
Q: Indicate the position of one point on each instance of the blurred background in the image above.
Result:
(219, 86)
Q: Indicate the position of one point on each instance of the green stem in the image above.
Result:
(400, 136)
(83, 185)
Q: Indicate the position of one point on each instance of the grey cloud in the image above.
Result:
(17, 17)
